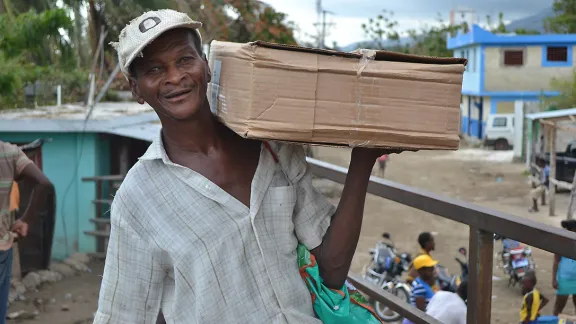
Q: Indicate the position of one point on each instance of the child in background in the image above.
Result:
(533, 300)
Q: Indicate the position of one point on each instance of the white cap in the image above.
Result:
(145, 29)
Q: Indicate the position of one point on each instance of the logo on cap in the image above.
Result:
(149, 23)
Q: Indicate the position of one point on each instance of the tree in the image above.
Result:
(429, 40)
(564, 20)
(382, 31)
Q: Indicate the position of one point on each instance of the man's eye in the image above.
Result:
(153, 70)
(186, 59)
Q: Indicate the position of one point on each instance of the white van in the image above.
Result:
(500, 131)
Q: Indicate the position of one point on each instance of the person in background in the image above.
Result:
(564, 275)
(427, 245)
(422, 291)
(15, 165)
(541, 186)
(382, 165)
(449, 307)
(533, 300)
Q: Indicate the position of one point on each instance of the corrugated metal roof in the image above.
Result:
(554, 114)
(102, 111)
(145, 131)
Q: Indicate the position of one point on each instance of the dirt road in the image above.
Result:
(485, 178)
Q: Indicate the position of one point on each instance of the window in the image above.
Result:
(500, 122)
(513, 57)
(557, 54)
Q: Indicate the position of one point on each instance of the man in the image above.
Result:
(382, 165)
(15, 165)
(422, 291)
(449, 307)
(427, 245)
(533, 300)
(205, 226)
(540, 188)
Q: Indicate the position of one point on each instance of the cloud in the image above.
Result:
(350, 14)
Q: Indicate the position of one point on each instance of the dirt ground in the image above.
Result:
(486, 178)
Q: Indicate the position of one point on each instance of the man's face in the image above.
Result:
(427, 273)
(171, 76)
(431, 245)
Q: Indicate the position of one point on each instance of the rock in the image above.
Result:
(19, 287)
(327, 188)
(50, 276)
(68, 297)
(12, 296)
(32, 281)
(63, 269)
(22, 315)
(80, 257)
(77, 265)
(65, 307)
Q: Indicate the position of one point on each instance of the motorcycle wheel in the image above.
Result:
(387, 315)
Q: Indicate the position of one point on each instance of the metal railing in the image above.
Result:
(483, 222)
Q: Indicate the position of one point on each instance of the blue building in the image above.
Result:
(109, 143)
(503, 68)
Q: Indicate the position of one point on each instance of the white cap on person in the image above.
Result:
(143, 30)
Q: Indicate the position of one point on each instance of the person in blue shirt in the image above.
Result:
(422, 291)
(541, 187)
(564, 275)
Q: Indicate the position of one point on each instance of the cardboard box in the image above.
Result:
(376, 99)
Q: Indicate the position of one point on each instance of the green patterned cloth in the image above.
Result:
(333, 306)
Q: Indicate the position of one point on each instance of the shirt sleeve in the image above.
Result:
(312, 212)
(132, 283)
(18, 158)
(419, 291)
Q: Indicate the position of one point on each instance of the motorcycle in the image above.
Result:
(385, 270)
(515, 259)
(449, 282)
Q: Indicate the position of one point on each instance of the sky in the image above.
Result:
(349, 15)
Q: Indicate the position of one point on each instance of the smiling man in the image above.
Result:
(205, 226)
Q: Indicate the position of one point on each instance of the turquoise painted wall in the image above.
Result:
(74, 207)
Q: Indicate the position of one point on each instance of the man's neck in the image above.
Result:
(195, 136)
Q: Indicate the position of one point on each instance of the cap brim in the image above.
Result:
(194, 26)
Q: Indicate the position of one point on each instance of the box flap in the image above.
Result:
(381, 55)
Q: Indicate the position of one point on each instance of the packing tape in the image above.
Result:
(367, 56)
(215, 88)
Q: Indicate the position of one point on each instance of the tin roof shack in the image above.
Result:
(377, 98)
(80, 149)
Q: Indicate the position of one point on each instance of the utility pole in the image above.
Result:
(321, 24)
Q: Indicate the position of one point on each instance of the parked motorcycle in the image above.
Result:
(385, 270)
(515, 259)
(449, 282)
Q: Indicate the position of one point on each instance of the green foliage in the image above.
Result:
(564, 20)
(567, 89)
(33, 48)
(429, 40)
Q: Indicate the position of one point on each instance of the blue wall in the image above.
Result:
(473, 76)
(74, 207)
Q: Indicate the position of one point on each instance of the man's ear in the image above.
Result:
(208, 72)
(135, 91)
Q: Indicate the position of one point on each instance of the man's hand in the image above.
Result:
(20, 227)
(555, 283)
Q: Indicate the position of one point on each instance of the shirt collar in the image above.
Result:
(156, 150)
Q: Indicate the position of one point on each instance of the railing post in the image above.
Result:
(480, 276)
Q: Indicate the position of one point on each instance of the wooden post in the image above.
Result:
(552, 141)
(480, 276)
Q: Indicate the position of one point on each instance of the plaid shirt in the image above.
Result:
(180, 243)
(12, 162)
